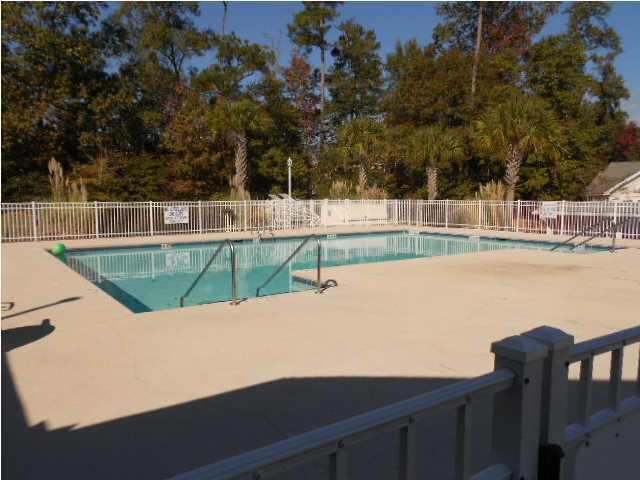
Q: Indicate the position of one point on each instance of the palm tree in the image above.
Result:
(432, 147)
(236, 119)
(361, 139)
(516, 128)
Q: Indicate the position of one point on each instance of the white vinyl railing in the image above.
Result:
(530, 435)
(53, 221)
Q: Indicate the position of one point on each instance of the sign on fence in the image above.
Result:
(173, 215)
(549, 210)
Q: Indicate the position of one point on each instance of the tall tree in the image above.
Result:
(309, 29)
(476, 51)
(432, 148)
(425, 87)
(588, 26)
(231, 84)
(301, 87)
(52, 68)
(225, 12)
(515, 129)
(556, 70)
(499, 28)
(152, 43)
(507, 25)
(161, 33)
(355, 81)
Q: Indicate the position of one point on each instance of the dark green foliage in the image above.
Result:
(116, 101)
(355, 80)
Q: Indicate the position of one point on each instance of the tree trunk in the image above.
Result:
(322, 65)
(511, 176)
(432, 182)
(362, 175)
(225, 6)
(241, 163)
(476, 53)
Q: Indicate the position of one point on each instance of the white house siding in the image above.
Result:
(627, 192)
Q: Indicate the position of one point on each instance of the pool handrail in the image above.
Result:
(582, 233)
(290, 257)
(234, 281)
(613, 230)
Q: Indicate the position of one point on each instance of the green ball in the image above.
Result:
(58, 249)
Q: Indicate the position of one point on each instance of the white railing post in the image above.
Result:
(151, 218)
(446, 214)
(97, 219)
(555, 394)
(397, 202)
(366, 213)
(617, 232)
(245, 215)
(562, 214)
(556, 383)
(200, 216)
(516, 428)
(34, 221)
(479, 213)
(347, 210)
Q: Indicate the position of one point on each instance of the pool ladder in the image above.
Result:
(290, 257)
(589, 229)
(234, 278)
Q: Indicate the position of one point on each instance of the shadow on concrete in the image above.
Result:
(64, 300)
(161, 443)
(20, 336)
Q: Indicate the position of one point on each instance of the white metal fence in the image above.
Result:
(531, 437)
(52, 221)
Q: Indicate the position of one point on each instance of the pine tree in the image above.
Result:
(309, 29)
(355, 79)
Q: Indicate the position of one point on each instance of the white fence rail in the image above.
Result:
(53, 221)
(530, 435)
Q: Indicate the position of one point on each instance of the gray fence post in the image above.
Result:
(200, 216)
(556, 382)
(517, 411)
(555, 393)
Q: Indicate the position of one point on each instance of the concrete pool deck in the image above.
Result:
(94, 373)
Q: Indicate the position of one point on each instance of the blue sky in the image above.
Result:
(266, 22)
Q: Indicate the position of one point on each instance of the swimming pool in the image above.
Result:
(150, 278)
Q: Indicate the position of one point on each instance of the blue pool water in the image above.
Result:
(155, 277)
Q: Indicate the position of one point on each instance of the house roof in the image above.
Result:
(614, 174)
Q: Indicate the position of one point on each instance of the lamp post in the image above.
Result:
(289, 164)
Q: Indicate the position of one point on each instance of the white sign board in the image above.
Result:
(173, 215)
(549, 210)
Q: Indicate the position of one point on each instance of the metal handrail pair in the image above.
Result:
(613, 230)
(582, 233)
(234, 280)
(290, 257)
